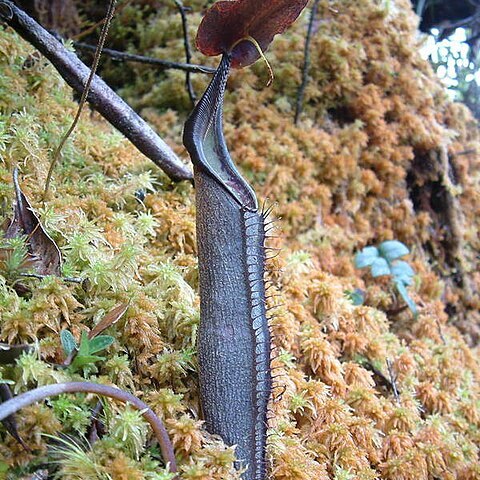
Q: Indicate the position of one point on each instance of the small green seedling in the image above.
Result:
(357, 296)
(86, 350)
(384, 260)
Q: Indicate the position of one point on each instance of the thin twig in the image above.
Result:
(101, 96)
(306, 62)
(387, 381)
(41, 277)
(188, 53)
(38, 394)
(463, 152)
(83, 99)
(131, 57)
(393, 380)
(440, 332)
(93, 27)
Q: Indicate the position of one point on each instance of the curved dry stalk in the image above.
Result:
(33, 396)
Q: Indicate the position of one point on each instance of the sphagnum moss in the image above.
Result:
(345, 178)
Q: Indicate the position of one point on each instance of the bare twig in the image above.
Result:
(393, 380)
(306, 62)
(131, 57)
(38, 394)
(440, 332)
(463, 152)
(188, 53)
(93, 27)
(41, 277)
(101, 96)
(389, 382)
(83, 99)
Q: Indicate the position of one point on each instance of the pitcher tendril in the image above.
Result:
(83, 99)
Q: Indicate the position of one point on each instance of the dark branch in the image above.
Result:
(131, 57)
(188, 53)
(306, 62)
(101, 96)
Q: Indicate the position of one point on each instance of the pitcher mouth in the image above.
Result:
(203, 137)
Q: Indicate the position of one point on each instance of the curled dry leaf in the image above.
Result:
(46, 255)
(108, 320)
(228, 24)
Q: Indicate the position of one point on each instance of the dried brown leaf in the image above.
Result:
(109, 319)
(47, 256)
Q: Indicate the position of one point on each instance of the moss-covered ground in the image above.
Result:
(380, 153)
